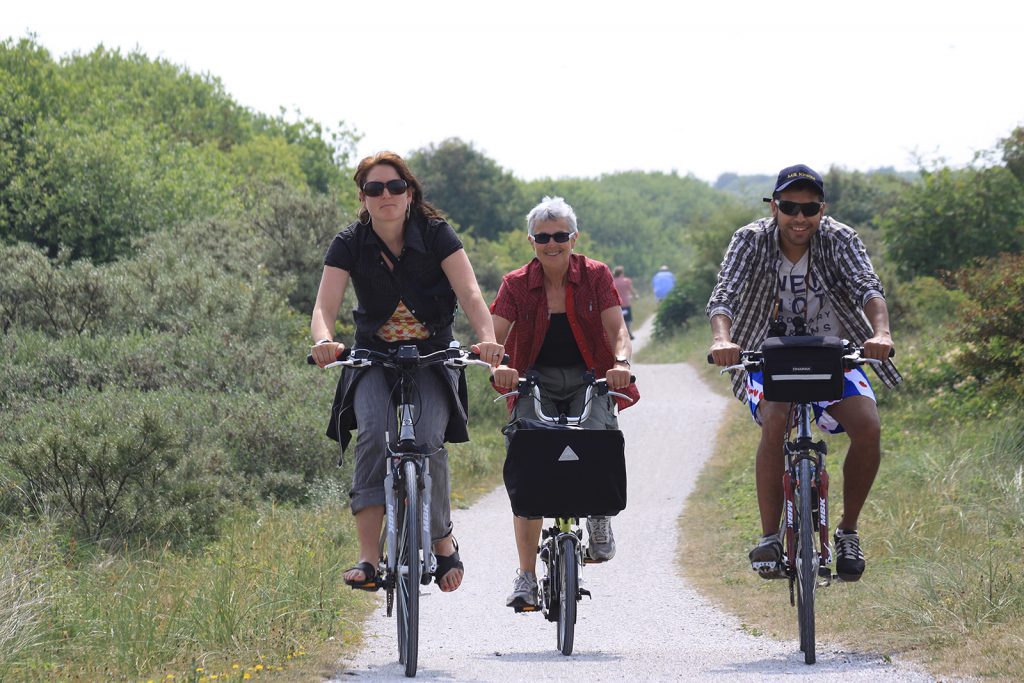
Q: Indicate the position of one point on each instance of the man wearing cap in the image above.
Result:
(800, 263)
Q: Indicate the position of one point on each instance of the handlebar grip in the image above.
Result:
(342, 356)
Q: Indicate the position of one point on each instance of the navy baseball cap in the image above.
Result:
(796, 174)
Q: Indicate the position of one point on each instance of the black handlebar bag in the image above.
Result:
(803, 369)
(561, 471)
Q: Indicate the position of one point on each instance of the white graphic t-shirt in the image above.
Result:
(804, 296)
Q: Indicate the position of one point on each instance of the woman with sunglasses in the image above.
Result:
(561, 315)
(408, 269)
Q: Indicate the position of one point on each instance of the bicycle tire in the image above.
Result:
(409, 570)
(568, 592)
(807, 564)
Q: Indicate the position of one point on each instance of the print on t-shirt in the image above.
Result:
(802, 294)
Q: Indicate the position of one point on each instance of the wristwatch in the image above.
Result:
(624, 360)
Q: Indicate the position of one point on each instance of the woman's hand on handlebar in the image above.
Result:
(725, 353)
(618, 378)
(490, 352)
(326, 353)
(506, 378)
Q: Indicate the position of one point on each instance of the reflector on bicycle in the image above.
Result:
(803, 369)
(544, 480)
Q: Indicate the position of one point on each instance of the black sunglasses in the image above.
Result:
(375, 188)
(793, 208)
(545, 237)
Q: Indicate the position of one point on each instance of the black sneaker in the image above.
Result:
(849, 558)
(766, 557)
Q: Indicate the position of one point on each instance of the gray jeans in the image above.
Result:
(375, 414)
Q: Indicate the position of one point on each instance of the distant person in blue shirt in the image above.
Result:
(662, 282)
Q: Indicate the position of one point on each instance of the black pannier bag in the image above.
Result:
(559, 471)
(803, 369)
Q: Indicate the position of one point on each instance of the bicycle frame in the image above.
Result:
(405, 452)
(804, 448)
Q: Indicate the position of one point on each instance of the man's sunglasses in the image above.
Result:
(545, 237)
(375, 188)
(793, 208)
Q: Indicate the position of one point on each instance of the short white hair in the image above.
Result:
(551, 209)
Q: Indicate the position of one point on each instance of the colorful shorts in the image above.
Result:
(855, 383)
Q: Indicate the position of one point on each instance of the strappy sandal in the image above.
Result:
(446, 563)
(370, 581)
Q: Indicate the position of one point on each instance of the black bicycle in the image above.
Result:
(407, 560)
(802, 370)
(555, 468)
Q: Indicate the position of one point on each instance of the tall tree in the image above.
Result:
(471, 189)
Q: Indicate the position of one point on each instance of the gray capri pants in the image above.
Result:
(375, 414)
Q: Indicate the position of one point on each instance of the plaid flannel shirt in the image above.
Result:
(748, 282)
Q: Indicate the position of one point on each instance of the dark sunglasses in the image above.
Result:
(545, 237)
(375, 188)
(793, 208)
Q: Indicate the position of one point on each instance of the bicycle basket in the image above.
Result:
(566, 472)
(803, 369)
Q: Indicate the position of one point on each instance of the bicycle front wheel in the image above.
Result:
(568, 592)
(807, 560)
(408, 572)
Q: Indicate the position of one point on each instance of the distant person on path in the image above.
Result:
(624, 286)
(802, 263)
(561, 316)
(662, 283)
(408, 269)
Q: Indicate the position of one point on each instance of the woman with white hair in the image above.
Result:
(561, 315)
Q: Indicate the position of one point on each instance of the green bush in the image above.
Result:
(922, 304)
(675, 310)
(992, 328)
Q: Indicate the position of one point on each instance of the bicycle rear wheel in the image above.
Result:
(568, 592)
(409, 570)
(807, 560)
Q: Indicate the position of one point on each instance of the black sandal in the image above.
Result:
(446, 563)
(370, 580)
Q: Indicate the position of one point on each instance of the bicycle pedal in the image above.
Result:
(768, 570)
(526, 608)
(584, 591)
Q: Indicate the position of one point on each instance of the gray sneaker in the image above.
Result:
(601, 546)
(524, 591)
(766, 557)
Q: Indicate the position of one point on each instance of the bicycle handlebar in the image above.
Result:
(752, 360)
(406, 356)
(528, 386)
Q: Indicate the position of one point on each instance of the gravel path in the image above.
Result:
(644, 621)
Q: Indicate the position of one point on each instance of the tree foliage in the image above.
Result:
(954, 217)
(101, 148)
(470, 188)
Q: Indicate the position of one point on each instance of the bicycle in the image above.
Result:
(547, 459)
(407, 558)
(802, 370)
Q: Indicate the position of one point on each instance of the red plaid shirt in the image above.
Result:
(590, 290)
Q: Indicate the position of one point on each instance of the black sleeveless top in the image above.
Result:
(559, 349)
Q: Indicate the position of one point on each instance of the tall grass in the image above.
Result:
(268, 589)
(941, 531)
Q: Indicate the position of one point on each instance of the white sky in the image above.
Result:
(584, 88)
